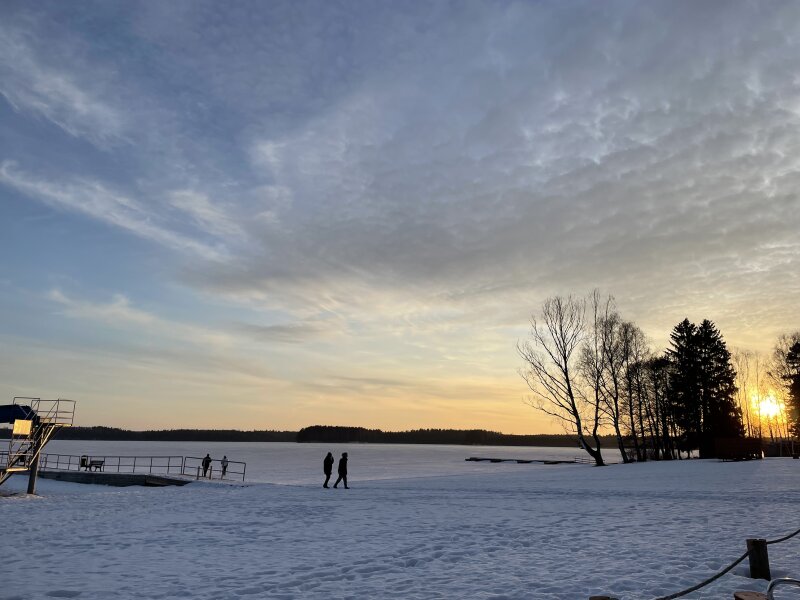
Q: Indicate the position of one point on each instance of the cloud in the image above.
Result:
(538, 149)
(208, 216)
(91, 198)
(118, 313)
(287, 333)
(403, 183)
(77, 107)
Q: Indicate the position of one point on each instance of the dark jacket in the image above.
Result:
(327, 464)
(343, 466)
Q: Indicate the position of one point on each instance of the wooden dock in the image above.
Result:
(113, 479)
(525, 461)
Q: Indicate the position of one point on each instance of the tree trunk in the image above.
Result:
(596, 455)
(620, 443)
(632, 421)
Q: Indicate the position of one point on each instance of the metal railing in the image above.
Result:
(193, 467)
(53, 412)
(776, 582)
(32, 432)
(190, 466)
(166, 465)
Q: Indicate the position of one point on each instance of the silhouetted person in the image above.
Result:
(224, 464)
(206, 464)
(342, 471)
(327, 468)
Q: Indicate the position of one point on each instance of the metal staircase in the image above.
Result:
(35, 421)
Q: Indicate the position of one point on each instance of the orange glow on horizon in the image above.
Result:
(768, 408)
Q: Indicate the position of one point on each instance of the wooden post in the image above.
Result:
(33, 472)
(759, 558)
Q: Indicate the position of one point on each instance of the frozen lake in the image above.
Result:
(299, 464)
(499, 532)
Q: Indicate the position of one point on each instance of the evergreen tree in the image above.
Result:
(720, 414)
(684, 386)
(793, 378)
(702, 387)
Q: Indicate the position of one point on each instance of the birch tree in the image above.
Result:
(550, 369)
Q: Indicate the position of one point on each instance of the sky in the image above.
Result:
(268, 215)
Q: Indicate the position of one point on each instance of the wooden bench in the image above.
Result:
(95, 465)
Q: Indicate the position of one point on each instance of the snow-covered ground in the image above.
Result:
(500, 531)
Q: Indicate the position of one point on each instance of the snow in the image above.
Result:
(483, 531)
(289, 463)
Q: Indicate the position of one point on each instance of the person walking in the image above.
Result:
(327, 468)
(224, 464)
(206, 464)
(342, 471)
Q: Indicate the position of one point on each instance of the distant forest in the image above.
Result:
(321, 433)
(169, 435)
(458, 437)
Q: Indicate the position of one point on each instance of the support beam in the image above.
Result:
(33, 472)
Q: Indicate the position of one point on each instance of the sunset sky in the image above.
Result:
(267, 215)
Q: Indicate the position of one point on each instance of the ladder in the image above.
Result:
(35, 422)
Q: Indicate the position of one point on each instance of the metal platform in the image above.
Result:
(35, 421)
(114, 479)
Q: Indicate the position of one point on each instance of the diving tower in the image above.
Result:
(35, 421)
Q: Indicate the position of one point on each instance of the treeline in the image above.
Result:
(323, 434)
(456, 437)
(170, 435)
(594, 371)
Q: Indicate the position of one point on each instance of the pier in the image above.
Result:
(114, 479)
(524, 461)
(137, 470)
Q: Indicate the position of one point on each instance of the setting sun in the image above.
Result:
(768, 407)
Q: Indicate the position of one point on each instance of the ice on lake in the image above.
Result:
(289, 463)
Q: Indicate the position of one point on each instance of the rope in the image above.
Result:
(784, 538)
(707, 581)
(725, 570)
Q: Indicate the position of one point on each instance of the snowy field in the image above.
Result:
(486, 531)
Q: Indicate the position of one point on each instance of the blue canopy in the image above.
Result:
(11, 412)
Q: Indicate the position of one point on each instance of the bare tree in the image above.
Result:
(634, 353)
(616, 336)
(657, 370)
(744, 362)
(551, 372)
(783, 371)
(601, 365)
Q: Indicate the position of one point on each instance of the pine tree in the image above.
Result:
(721, 415)
(702, 387)
(684, 387)
(793, 377)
